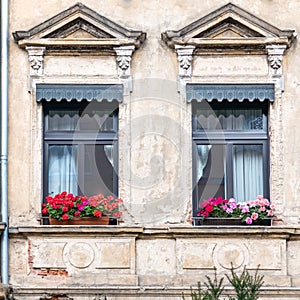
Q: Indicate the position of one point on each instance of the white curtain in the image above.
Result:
(203, 152)
(247, 172)
(63, 169)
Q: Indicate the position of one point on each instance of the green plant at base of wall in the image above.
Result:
(246, 286)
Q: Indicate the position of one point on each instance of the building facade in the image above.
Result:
(164, 104)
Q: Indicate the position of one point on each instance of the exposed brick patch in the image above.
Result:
(43, 271)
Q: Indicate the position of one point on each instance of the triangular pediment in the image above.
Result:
(79, 27)
(229, 26)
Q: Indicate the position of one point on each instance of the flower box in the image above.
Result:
(67, 209)
(104, 220)
(219, 211)
(210, 221)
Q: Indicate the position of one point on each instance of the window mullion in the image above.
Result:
(229, 171)
(80, 164)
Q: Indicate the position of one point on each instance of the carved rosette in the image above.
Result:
(36, 59)
(185, 59)
(275, 56)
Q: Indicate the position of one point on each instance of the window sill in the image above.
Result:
(159, 231)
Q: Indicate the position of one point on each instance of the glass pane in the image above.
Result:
(211, 167)
(71, 120)
(98, 169)
(63, 119)
(226, 116)
(63, 169)
(247, 172)
(96, 121)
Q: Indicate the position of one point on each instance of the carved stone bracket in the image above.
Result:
(185, 62)
(275, 56)
(185, 59)
(123, 60)
(36, 59)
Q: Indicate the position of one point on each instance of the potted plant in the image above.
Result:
(67, 209)
(219, 211)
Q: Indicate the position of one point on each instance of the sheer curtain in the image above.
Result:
(63, 169)
(203, 152)
(247, 172)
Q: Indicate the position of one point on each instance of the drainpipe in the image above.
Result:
(4, 139)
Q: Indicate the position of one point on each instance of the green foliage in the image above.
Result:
(214, 289)
(246, 286)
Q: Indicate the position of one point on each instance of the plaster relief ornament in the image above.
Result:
(36, 59)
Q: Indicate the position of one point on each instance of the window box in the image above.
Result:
(229, 222)
(104, 220)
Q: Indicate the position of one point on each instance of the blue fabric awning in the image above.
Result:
(230, 92)
(79, 92)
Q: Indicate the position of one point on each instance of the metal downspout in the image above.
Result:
(4, 138)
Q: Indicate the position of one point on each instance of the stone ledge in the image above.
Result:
(287, 232)
(143, 291)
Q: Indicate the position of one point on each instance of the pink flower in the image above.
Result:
(229, 210)
(272, 206)
(224, 207)
(254, 216)
(245, 209)
(270, 213)
(262, 208)
(248, 220)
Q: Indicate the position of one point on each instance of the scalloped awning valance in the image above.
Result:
(79, 92)
(230, 92)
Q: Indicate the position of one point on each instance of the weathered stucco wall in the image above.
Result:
(154, 259)
(155, 151)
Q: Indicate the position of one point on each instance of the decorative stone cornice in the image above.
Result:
(275, 57)
(36, 59)
(229, 29)
(97, 34)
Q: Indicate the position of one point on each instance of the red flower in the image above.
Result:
(76, 213)
(97, 213)
(45, 211)
(65, 217)
(209, 208)
(65, 209)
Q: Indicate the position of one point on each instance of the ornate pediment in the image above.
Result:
(229, 29)
(79, 29)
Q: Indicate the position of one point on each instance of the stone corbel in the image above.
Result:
(36, 59)
(275, 56)
(185, 62)
(123, 59)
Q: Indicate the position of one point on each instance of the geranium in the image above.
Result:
(249, 211)
(66, 206)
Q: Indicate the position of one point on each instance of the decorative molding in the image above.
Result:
(123, 59)
(36, 59)
(229, 29)
(230, 92)
(88, 92)
(185, 60)
(185, 65)
(275, 57)
(79, 29)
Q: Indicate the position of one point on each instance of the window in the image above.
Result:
(80, 147)
(230, 153)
